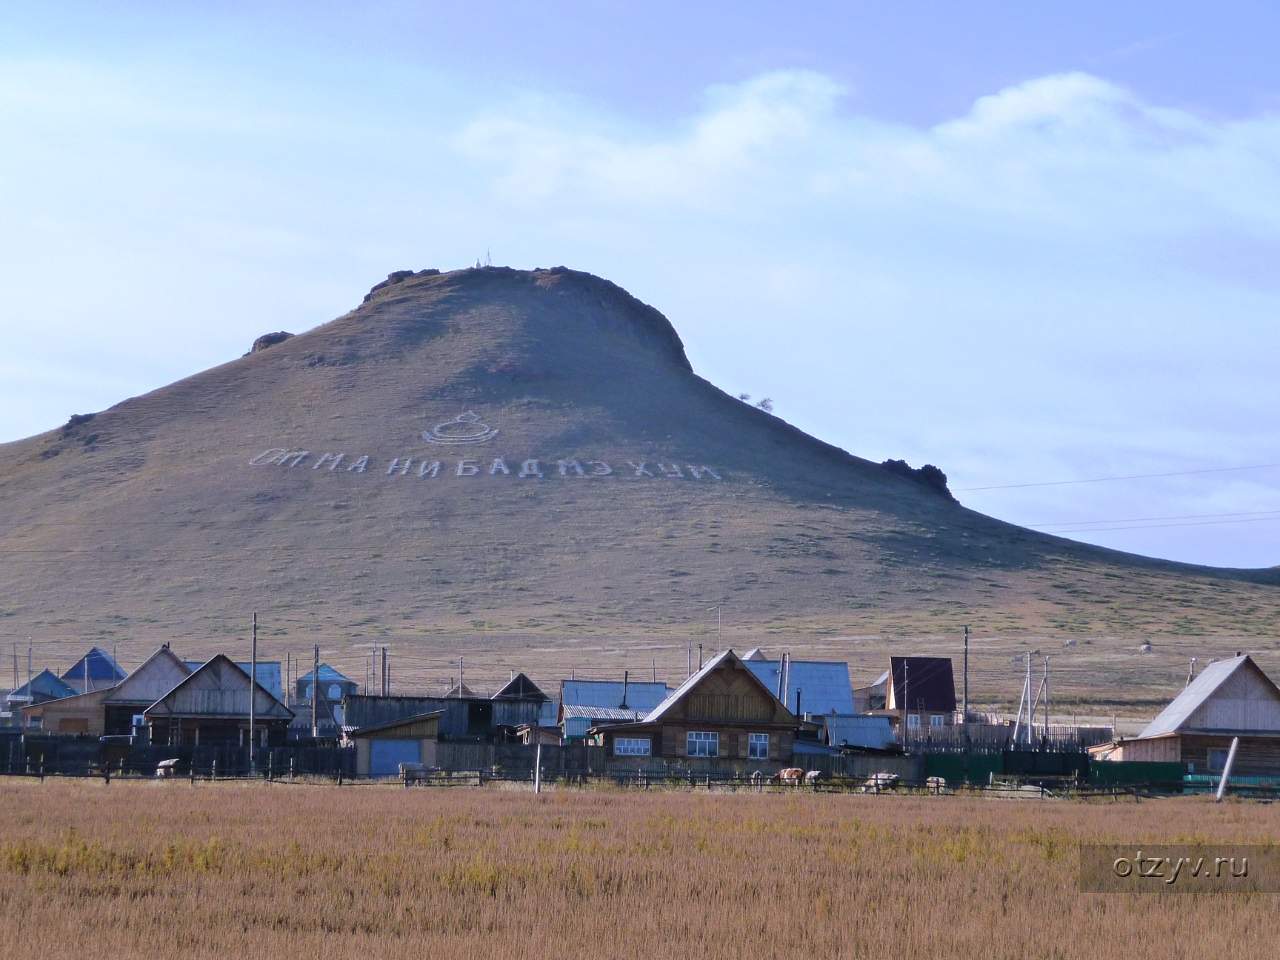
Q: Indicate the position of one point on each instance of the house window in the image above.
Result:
(631, 746)
(913, 721)
(758, 746)
(937, 720)
(703, 743)
(1217, 760)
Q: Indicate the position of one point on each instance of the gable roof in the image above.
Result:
(724, 657)
(227, 696)
(393, 724)
(639, 695)
(820, 686)
(459, 691)
(45, 685)
(1180, 713)
(928, 682)
(268, 675)
(755, 653)
(102, 668)
(150, 681)
(520, 687)
(327, 675)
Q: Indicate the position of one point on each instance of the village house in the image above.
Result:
(211, 705)
(333, 685)
(1230, 698)
(94, 671)
(921, 692)
(807, 687)
(586, 703)
(723, 717)
(44, 686)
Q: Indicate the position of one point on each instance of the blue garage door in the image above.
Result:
(385, 756)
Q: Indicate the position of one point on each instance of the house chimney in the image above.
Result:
(782, 680)
(625, 678)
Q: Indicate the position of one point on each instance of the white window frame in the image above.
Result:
(913, 721)
(754, 742)
(937, 720)
(702, 743)
(632, 746)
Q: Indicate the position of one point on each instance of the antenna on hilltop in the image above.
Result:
(488, 260)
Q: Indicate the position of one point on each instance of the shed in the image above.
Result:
(381, 748)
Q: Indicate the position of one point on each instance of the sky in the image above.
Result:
(1034, 244)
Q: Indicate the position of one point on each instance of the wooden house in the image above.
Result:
(211, 705)
(381, 748)
(333, 685)
(124, 704)
(45, 685)
(920, 691)
(722, 718)
(1231, 698)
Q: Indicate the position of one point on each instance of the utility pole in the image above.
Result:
(1191, 672)
(253, 694)
(460, 678)
(1028, 683)
(699, 656)
(689, 671)
(1046, 698)
(906, 701)
(964, 717)
(30, 694)
(315, 690)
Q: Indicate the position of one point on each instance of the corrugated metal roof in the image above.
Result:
(575, 711)
(640, 695)
(858, 731)
(823, 685)
(46, 686)
(1175, 715)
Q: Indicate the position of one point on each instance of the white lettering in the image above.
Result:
(332, 459)
(672, 471)
(468, 468)
(530, 468)
(499, 467)
(401, 465)
(274, 455)
(567, 465)
(359, 466)
(599, 468)
(697, 472)
(429, 469)
(297, 456)
(639, 469)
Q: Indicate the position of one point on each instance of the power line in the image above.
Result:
(1261, 514)
(1159, 526)
(1131, 476)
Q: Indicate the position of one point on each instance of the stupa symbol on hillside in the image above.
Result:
(464, 428)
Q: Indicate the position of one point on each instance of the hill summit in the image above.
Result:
(526, 453)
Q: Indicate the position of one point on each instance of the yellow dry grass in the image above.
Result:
(255, 870)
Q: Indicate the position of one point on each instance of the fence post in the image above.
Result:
(214, 769)
(42, 768)
(106, 773)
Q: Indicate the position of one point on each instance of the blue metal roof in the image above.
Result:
(268, 674)
(608, 693)
(46, 686)
(823, 685)
(327, 675)
(103, 669)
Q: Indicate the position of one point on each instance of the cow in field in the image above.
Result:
(880, 781)
(936, 784)
(167, 768)
(812, 777)
(757, 778)
(790, 776)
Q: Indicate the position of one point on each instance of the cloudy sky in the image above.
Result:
(1029, 243)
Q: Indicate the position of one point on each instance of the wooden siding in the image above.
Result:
(219, 689)
(1245, 701)
(162, 671)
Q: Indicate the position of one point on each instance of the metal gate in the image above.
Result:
(385, 756)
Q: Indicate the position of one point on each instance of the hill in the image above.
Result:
(522, 467)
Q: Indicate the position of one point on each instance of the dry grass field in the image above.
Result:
(255, 870)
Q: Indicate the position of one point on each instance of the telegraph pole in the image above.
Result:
(253, 695)
(906, 701)
(315, 691)
(964, 718)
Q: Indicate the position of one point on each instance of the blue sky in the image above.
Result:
(1025, 242)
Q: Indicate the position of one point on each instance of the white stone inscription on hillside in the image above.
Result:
(429, 468)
